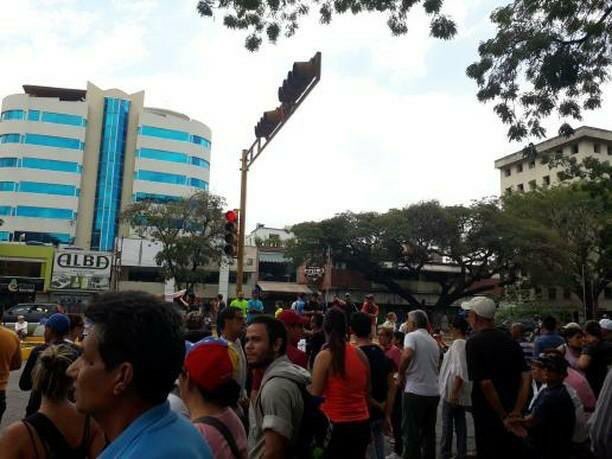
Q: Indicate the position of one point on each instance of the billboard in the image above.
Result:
(81, 270)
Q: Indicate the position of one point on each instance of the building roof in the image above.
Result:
(166, 112)
(283, 287)
(555, 142)
(60, 93)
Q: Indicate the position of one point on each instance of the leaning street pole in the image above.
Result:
(300, 81)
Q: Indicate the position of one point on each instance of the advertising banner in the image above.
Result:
(81, 270)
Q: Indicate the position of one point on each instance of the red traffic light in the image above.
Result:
(231, 216)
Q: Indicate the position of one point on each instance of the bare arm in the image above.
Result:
(405, 360)
(456, 389)
(391, 391)
(15, 442)
(584, 361)
(320, 370)
(275, 445)
(521, 399)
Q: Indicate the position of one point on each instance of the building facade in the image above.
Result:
(518, 174)
(71, 160)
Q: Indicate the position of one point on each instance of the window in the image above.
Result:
(33, 115)
(200, 141)
(596, 148)
(10, 138)
(53, 141)
(567, 294)
(198, 183)
(531, 164)
(532, 185)
(161, 155)
(144, 275)
(161, 177)
(44, 212)
(8, 186)
(48, 188)
(508, 172)
(519, 168)
(12, 115)
(171, 134)
(6, 210)
(520, 187)
(51, 165)
(51, 238)
(5, 236)
(552, 293)
(8, 162)
(200, 162)
(574, 149)
(62, 118)
(160, 198)
(546, 180)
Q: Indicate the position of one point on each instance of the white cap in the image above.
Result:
(606, 324)
(482, 306)
(572, 325)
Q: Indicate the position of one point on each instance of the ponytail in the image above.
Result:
(335, 329)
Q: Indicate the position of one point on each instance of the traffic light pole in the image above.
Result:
(241, 221)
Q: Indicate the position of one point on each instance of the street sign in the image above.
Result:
(314, 271)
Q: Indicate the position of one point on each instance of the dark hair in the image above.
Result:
(361, 324)
(194, 320)
(141, 329)
(318, 319)
(570, 332)
(593, 328)
(227, 313)
(399, 336)
(549, 323)
(76, 320)
(461, 324)
(335, 329)
(276, 330)
(219, 296)
(49, 376)
(227, 394)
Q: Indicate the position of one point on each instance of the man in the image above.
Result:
(131, 359)
(350, 304)
(21, 327)
(295, 332)
(241, 304)
(276, 412)
(385, 339)
(220, 302)
(596, 356)
(57, 327)
(600, 424)
(370, 308)
(313, 306)
(381, 377)
(316, 338)
(230, 327)
(299, 303)
(418, 372)
(518, 335)
(77, 325)
(549, 338)
(10, 360)
(254, 306)
(500, 377)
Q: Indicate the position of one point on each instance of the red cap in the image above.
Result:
(289, 317)
(210, 364)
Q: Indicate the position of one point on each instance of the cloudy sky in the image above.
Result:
(393, 121)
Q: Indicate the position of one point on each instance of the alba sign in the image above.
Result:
(83, 260)
(81, 270)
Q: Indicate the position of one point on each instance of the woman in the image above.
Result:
(208, 388)
(390, 321)
(57, 430)
(341, 374)
(574, 341)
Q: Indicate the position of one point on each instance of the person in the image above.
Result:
(390, 321)
(10, 360)
(195, 328)
(517, 331)
(295, 331)
(382, 382)
(57, 327)
(548, 338)
(254, 306)
(240, 303)
(279, 306)
(350, 304)
(396, 415)
(455, 391)
(316, 339)
(370, 308)
(499, 392)
(341, 374)
(385, 339)
(600, 424)
(418, 373)
(131, 358)
(230, 327)
(276, 412)
(77, 325)
(21, 327)
(606, 329)
(398, 339)
(313, 306)
(551, 420)
(57, 429)
(572, 348)
(596, 356)
(299, 303)
(209, 390)
(220, 302)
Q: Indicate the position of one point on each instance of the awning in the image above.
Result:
(283, 287)
(273, 257)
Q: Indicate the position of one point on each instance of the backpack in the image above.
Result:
(315, 428)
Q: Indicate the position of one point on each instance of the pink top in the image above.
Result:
(215, 440)
(582, 388)
(395, 354)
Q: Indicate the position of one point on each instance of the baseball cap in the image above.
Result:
(370, 295)
(289, 317)
(553, 362)
(482, 306)
(606, 324)
(20, 317)
(572, 325)
(58, 322)
(347, 294)
(211, 363)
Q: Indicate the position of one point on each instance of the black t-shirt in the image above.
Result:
(555, 416)
(493, 355)
(380, 368)
(601, 357)
(312, 306)
(313, 346)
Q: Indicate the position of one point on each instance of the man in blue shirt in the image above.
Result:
(254, 306)
(299, 303)
(549, 338)
(131, 357)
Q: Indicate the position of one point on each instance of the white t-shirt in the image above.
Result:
(455, 364)
(422, 372)
(21, 326)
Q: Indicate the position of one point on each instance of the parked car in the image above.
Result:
(32, 312)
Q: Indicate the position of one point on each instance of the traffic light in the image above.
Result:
(231, 233)
(269, 121)
(298, 79)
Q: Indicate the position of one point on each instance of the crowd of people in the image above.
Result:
(144, 378)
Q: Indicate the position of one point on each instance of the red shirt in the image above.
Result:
(371, 309)
(394, 353)
(297, 356)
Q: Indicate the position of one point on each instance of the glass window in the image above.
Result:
(53, 141)
(52, 238)
(44, 212)
(162, 155)
(47, 188)
(6, 210)
(195, 182)
(62, 118)
(12, 115)
(161, 177)
(51, 165)
(8, 162)
(10, 138)
(161, 198)
(5, 236)
(33, 115)
(8, 186)
(152, 131)
(200, 162)
(200, 141)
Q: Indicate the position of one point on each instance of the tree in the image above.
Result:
(401, 243)
(273, 17)
(189, 231)
(546, 55)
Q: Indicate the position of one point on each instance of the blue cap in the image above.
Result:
(59, 323)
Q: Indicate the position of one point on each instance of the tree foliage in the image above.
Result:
(547, 55)
(272, 18)
(190, 233)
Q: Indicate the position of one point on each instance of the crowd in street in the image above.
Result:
(142, 378)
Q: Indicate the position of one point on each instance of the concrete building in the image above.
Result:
(72, 159)
(518, 174)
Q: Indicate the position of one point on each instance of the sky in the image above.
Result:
(394, 120)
